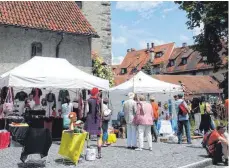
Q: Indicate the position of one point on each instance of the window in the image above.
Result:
(79, 3)
(171, 63)
(206, 73)
(159, 54)
(123, 71)
(36, 49)
(184, 61)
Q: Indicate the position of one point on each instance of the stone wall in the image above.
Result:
(99, 16)
(15, 47)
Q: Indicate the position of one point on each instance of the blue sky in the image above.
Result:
(134, 24)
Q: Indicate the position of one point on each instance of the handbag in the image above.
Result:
(183, 110)
(8, 103)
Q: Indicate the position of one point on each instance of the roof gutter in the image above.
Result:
(58, 45)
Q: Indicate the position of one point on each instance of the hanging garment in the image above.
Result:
(4, 92)
(37, 93)
(37, 141)
(21, 96)
(66, 109)
(50, 106)
(62, 95)
(50, 97)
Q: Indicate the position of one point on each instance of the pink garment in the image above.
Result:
(144, 115)
(36, 97)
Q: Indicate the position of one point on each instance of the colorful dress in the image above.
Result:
(93, 121)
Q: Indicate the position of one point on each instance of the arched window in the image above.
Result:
(36, 49)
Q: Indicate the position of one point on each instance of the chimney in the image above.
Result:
(152, 45)
(184, 44)
(128, 50)
(148, 46)
(152, 56)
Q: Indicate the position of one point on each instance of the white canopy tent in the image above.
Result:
(48, 72)
(143, 84)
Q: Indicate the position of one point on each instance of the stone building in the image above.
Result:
(52, 29)
(98, 13)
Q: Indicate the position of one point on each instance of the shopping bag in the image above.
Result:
(112, 138)
(4, 140)
(71, 145)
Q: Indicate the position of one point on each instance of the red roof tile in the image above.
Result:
(140, 57)
(58, 16)
(194, 62)
(194, 84)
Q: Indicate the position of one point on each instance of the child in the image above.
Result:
(165, 124)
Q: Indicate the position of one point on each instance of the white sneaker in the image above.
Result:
(138, 149)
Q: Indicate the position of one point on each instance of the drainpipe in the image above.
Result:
(58, 45)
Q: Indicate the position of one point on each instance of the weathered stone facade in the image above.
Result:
(15, 47)
(99, 16)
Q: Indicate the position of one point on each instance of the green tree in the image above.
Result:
(213, 15)
(147, 68)
(102, 70)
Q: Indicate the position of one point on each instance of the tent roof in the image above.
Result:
(143, 83)
(48, 72)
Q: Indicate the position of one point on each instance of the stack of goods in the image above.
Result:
(13, 124)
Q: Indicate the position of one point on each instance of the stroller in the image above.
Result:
(214, 150)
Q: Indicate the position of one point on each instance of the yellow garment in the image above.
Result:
(71, 145)
(202, 108)
(111, 138)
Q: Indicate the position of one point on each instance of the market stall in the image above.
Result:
(44, 77)
(142, 83)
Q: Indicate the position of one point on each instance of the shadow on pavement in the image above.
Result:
(65, 162)
(204, 156)
(32, 164)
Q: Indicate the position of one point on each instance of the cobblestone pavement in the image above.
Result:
(163, 155)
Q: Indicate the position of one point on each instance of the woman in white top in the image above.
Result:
(67, 107)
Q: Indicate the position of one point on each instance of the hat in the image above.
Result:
(131, 95)
(94, 91)
(152, 98)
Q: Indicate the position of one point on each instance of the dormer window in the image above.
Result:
(184, 61)
(172, 63)
(79, 3)
(123, 70)
(159, 54)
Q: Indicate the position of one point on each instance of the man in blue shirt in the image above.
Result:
(183, 120)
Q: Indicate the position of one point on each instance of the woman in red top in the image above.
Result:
(219, 143)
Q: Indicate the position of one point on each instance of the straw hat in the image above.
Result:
(131, 95)
(152, 98)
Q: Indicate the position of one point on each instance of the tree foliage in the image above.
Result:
(147, 68)
(213, 17)
(101, 70)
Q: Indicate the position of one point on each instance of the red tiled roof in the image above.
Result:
(140, 57)
(194, 62)
(58, 16)
(194, 84)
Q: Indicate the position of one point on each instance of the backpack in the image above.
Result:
(182, 109)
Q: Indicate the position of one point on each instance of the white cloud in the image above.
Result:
(184, 38)
(117, 60)
(144, 8)
(198, 30)
(119, 40)
(167, 10)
